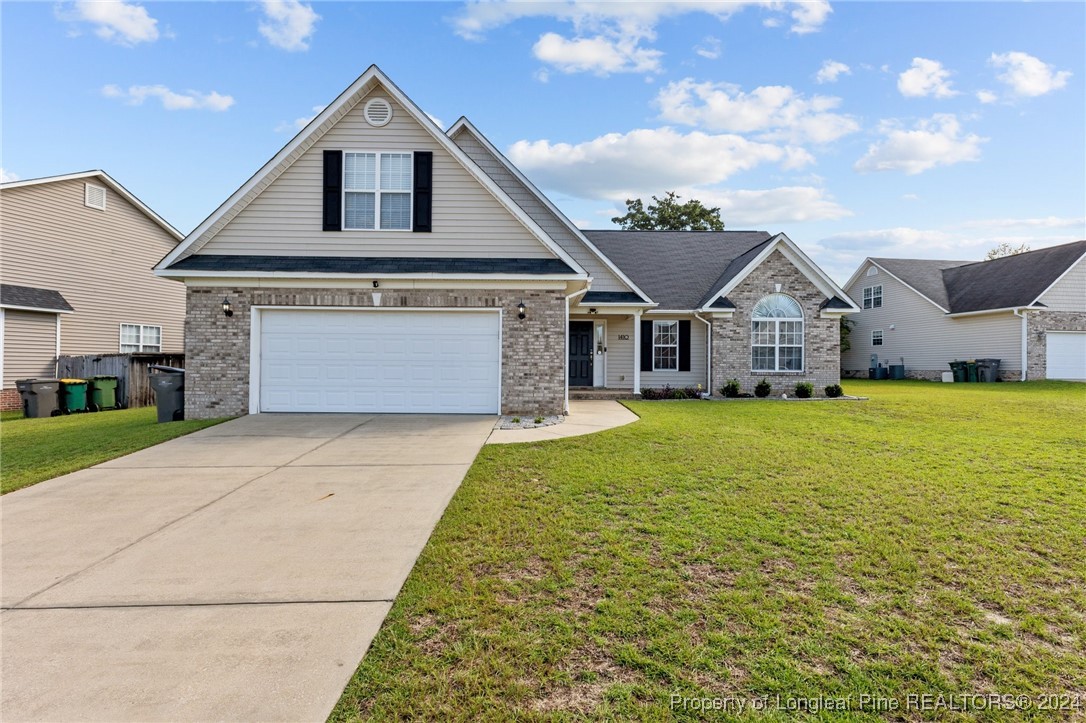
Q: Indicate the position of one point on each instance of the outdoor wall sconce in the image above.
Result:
(521, 308)
(592, 311)
(375, 284)
(226, 308)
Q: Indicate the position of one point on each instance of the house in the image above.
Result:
(1027, 310)
(78, 253)
(378, 263)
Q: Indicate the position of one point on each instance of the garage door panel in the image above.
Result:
(1065, 355)
(379, 361)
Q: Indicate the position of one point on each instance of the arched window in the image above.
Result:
(776, 339)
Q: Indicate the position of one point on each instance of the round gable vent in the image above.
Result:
(378, 111)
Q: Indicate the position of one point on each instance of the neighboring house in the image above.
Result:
(1027, 310)
(77, 254)
(377, 263)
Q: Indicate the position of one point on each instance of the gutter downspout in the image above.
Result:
(1025, 330)
(565, 336)
(708, 352)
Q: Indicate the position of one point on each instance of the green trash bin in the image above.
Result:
(73, 395)
(103, 392)
(970, 371)
(958, 368)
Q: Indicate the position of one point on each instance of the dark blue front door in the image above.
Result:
(580, 353)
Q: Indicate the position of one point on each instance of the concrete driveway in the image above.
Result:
(238, 573)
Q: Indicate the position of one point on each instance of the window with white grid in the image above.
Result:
(776, 335)
(377, 191)
(665, 345)
(140, 338)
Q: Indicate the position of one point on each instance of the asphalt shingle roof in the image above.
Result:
(371, 265)
(679, 270)
(1010, 281)
(33, 298)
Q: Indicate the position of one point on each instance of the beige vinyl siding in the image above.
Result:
(923, 334)
(620, 352)
(604, 279)
(1069, 293)
(100, 261)
(30, 343)
(286, 217)
(698, 371)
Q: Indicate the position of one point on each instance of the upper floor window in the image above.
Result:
(873, 297)
(876, 337)
(665, 345)
(873, 271)
(140, 337)
(777, 335)
(377, 191)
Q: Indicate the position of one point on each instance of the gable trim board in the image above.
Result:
(464, 124)
(109, 181)
(314, 130)
(801, 261)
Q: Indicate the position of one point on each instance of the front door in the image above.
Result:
(581, 353)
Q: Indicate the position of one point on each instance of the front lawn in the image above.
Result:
(929, 541)
(34, 450)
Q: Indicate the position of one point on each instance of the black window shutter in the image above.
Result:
(333, 190)
(646, 346)
(684, 345)
(424, 187)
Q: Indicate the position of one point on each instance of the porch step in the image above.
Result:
(580, 393)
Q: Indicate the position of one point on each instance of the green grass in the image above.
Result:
(930, 540)
(34, 450)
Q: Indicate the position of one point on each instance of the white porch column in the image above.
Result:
(637, 353)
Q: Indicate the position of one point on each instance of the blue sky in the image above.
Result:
(924, 129)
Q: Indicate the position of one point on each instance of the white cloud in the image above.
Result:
(619, 165)
(1070, 222)
(777, 112)
(288, 24)
(937, 141)
(609, 37)
(115, 21)
(598, 54)
(7, 176)
(709, 48)
(987, 96)
(910, 197)
(830, 71)
(925, 78)
(437, 121)
(299, 123)
(768, 207)
(189, 100)
(1026, 75)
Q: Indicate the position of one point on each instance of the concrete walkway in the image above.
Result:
(585, 417)
(238, 573)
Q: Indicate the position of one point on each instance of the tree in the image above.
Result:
(669, 215)
(1005, 249)
(846, 333)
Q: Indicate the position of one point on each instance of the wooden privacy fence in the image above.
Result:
(132, 371)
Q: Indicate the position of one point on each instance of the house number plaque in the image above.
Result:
(623, 337)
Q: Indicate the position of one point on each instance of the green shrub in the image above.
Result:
(731, 389)
(834, 390)
(805, 390)
(539, 420)
(763, 388)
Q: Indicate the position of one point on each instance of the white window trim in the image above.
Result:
(873, 271)
(873, 296)
(882, 337)
(377, 192)
(777, 343)
(656, 346)
(121, 344)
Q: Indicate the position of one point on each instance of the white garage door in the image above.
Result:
(1066, 354)
(379, 361)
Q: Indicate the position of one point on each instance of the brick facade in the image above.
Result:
(217, 346)
(731, 348)
(1036, 347)
(10, 399)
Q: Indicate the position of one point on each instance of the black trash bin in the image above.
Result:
(959, 370)
(987, 370)
(169, 386)
(39, 396)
